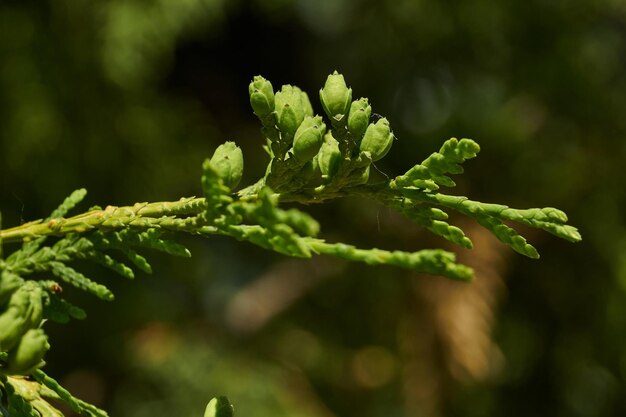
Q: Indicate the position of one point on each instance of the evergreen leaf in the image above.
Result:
(74, 403)
(106, 261)
(508, 235)
(432, 261)
(431, 172)
(429, 218)
(60, 310)
(139, 261)
(78, 280)
(69, 203)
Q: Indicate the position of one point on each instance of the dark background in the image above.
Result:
(127, 97)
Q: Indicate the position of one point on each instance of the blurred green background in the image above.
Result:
(127, 97)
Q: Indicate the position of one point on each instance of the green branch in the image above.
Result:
(169, 215)
(312, 160)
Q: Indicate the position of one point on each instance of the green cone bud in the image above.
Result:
(306, 104)
(329, 156)
(35, 306)
(9, 282)
(335, 96)
(261, 96)
(23, 312)
(12, 325)
(290, 110)
(308, 138)
(28, 354)
(227, 161)
(219, 407)
(287, 121)
(377, 139)
(359, 118)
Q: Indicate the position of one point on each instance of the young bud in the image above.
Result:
(261, 96)
(227, 161)
(359, 117)
(9, 282)
(24, 311)
(306, 104)
(329, 156)
(290, 109)
(12, 326)
(219, 407)
(308, 138)
(287, 120)
(335, 96)
(377, 139)
(28, 354)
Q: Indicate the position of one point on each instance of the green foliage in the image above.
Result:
(307, 165)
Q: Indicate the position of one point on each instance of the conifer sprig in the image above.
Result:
(313, 159)
(430, 174)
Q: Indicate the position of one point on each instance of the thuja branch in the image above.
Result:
(312, 159)
(182, 215)
(171, 215)
(185, 216)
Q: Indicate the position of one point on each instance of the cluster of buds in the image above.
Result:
(21, 337)
(375, 139)
(301, 139)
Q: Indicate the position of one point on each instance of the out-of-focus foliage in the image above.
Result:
(109, 95)
(78, 96)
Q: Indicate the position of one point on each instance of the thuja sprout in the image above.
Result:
(312, 159)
